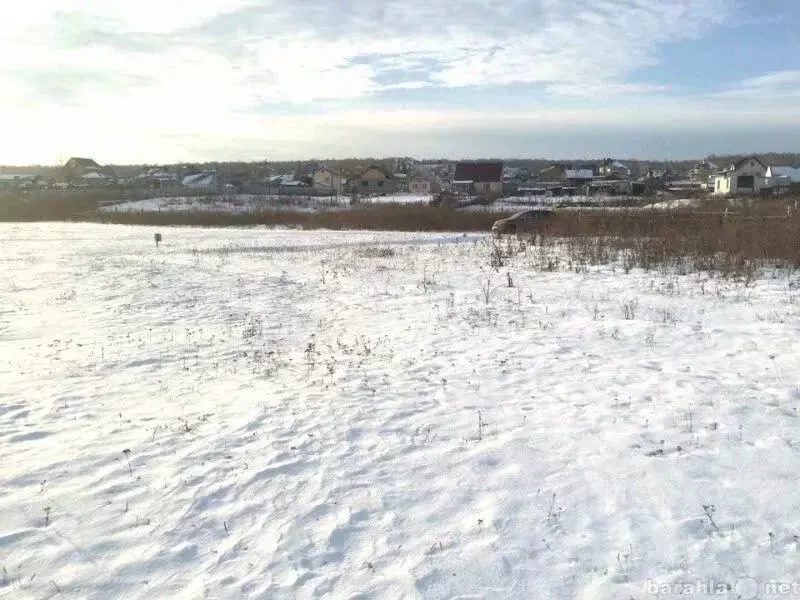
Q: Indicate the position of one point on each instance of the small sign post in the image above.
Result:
(158, 239)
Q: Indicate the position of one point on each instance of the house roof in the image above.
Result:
(705, 164)
(742, 161)
(155, 174)
(308, 169)
(579, 174)
(479, 172)
(551, 170)
(746, 158)
(378, 167)
(205, 178)
(612, 162)
(83, 162)
(285, 179)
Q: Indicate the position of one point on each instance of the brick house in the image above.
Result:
(372, 181)
(482, 178)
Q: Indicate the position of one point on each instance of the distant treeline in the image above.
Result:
(264, 167)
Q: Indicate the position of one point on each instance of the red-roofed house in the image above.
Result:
(484, 178)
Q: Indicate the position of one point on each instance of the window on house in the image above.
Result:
(486, 187)
(380, 184)
(364, 183)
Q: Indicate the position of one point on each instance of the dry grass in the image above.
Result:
(398, 217)
(18, 206)
(731, 245)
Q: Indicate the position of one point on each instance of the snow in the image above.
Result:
(675, 203)
(579, 174)
(276, 414)
(233, 203)
(567, 200)
(250, 202)
(516, 203)
(398, 199)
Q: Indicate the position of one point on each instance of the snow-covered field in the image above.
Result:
(513, 205)
(276, 414)
(518, 203)
(233, 203)
(542, 200)
(243, 203)
(399, 199)
(236, 203)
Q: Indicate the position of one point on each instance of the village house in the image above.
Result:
(156, 178)
(404, 165)
(372, 181)
(93, 178)
(284, 183)
(517, 174)
(19, 180)
(243, 181)
(77, 166)
(702, 171)
(400, 181)
(744, 177)
(441, 170)
(424, 185)
(86, 171)
(613, 169)
(320, 177)
(579, 176)
(513, 179)
(552, 173)
(564, 173)
(483, 178)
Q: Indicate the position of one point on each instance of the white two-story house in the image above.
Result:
(744, 177)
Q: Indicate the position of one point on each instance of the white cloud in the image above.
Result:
(771, 87)
(152, 80)
(305, 50)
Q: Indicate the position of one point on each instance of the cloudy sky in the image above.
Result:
(154, 81)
